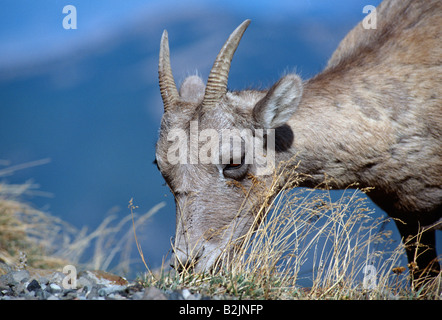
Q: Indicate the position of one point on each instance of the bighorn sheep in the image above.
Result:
(373, 116)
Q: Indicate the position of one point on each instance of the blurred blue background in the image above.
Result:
(88, 99)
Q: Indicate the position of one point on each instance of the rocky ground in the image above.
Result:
(36, 284)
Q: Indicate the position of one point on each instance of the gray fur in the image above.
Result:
(373, 116)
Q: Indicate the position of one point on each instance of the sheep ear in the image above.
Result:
(280, 102)
(192, 89)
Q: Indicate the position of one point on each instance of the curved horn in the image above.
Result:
(168, 89)
(217, 82)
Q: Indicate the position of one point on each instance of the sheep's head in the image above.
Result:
(216, 150)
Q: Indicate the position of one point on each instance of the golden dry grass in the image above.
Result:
(349, 254)
(30, 237)
(336, 239)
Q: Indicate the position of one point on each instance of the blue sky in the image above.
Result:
(33, 29)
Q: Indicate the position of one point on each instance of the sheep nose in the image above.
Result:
(183, 262)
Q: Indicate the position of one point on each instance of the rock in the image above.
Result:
(18, 289)
(33, 285)
(186, 294)
(93, 293)
(53, 288)
(153, 293)
(110, 289)
(21, 275)
(5, 268)
(57, 277)
(42, 294)
(36, 284)
(86, 283)
(102, 277)
(6, 292)
(69, 294)
(14, 277)
(138, 295)
(175, 295)
(44, 276)
(85, 291)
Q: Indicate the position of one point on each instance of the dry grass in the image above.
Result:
(24, 230)
(342, 244)
(33, 238)
(305, 236)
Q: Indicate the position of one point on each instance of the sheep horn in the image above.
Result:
(217, 83)
(168, 89)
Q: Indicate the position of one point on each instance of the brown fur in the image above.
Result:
(373, 116)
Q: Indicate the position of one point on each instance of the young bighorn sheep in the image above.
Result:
(373, 116)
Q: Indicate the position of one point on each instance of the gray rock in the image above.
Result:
(187, 295)
(110, 289)
(115, 296)
(53, 288)
(41, 294)
(153, 293)
(176, 295)
(69, 294)
(33, 285)
(93, 293)
(6, 291)
(20, 276)
(19, 288)
(91, 285)
(52, 297)
(14, 278)
(85, 281)
(57, 277)
(138, 295)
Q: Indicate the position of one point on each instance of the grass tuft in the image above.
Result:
(343, 247)
(30, 237)
(299, 236)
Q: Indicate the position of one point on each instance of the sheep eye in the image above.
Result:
(234, 166)
(235, 171)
